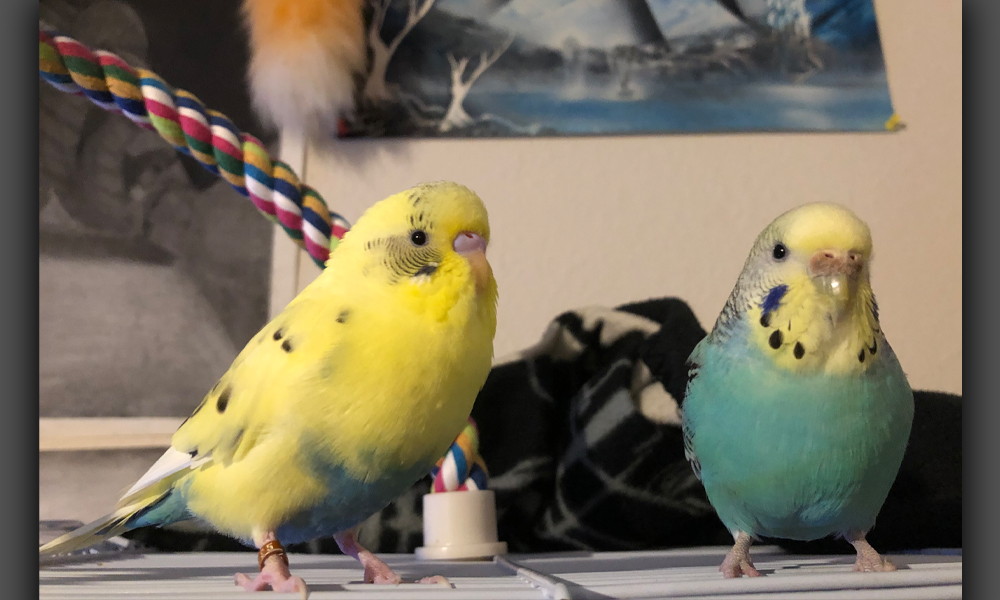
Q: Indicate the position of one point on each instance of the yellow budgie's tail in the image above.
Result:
(153, 500)
(116, 523)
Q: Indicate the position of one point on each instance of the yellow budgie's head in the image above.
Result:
(806, 294)
(429, 241)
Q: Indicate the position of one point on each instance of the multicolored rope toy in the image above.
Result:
(241, 160)
(204, 134)
(461, 468)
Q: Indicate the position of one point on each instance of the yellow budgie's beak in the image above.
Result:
(836, 271)
(472, 247)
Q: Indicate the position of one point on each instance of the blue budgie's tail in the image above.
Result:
(154, 500)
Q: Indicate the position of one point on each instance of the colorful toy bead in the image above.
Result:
(461, 468)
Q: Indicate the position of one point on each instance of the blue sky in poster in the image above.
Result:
(551, 21)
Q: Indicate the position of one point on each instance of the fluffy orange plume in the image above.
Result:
(305, 57)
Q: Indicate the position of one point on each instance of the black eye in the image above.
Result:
(418, 237)
(779, 251)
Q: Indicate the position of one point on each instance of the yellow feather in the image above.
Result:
(814, 226)
(833, 347)
(806, 315)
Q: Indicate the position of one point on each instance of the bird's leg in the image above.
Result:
(737, 563)
(274, 571)
(376, 571)
(868, 558)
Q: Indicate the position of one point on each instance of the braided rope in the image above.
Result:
(204, 134)
(241, 160)
(461, 468)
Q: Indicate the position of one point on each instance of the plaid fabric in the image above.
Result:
(581, 434)
(598, 461)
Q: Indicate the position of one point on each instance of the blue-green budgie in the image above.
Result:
(797, 412)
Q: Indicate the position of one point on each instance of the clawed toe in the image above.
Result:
(738, 569)
(266, 580)
(379, 573)
(257, 584)
(292, 584)
(877, 565)
(869, 561)
(737, 562)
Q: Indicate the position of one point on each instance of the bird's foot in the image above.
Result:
(377, 571)
(735, 567)
(737, 562)
(274, 573)
(869, 560)
(275, 576)
(875, 564)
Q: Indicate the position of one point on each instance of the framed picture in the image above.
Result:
(513, 68)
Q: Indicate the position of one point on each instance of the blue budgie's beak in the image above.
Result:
(836, 272)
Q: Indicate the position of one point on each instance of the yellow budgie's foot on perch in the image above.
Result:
(436, 579)
(376, 571)
(274, 573)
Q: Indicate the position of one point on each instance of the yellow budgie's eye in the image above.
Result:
(418, 238)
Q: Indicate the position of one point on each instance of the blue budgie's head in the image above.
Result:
(805, 293)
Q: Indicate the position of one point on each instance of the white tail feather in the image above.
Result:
(172, 462)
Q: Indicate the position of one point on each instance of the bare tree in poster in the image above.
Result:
(623, 60)
(376, 87)
(456, 115)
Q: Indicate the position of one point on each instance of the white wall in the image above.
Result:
(609, 220)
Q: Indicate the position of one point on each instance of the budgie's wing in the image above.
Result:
(170, 467)
(239, 411)
(693, 364)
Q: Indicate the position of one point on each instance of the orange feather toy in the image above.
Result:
(306, 57)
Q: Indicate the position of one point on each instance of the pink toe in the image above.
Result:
(292, 584)
(251, 585)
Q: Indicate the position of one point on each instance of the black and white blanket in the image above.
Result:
(582, 437)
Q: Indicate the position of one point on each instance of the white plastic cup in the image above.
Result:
(460, 526)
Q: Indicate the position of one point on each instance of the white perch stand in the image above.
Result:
(460, 526)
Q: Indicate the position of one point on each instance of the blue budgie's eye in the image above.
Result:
(779, 252)
(418, 237)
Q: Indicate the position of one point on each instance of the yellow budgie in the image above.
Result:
(341, 402)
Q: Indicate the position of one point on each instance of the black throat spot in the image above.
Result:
(426, 270)
(775, 340)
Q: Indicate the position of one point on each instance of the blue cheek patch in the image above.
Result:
(773, 298)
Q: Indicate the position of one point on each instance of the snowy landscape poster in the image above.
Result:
(511, 68)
